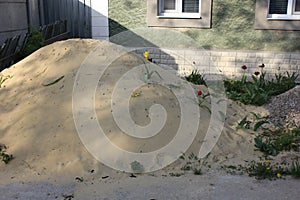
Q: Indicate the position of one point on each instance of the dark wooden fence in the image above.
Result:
(9, 50)
(57, 20)
(77, 13)
(12, 46)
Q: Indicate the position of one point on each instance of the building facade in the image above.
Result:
(232, 33)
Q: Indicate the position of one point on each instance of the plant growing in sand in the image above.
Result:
(3, 79)
(196, 78)
(3, 155)
(34, 42)
(193, 163)
(259, 90)
(202, 101)
(149, 73)
(267, 169)
(257, 122)
(295, 169)
(264, 170)
(273, 142)
(136, 94)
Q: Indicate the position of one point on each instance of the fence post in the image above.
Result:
(28, 15)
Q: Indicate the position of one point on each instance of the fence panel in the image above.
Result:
(76, 12)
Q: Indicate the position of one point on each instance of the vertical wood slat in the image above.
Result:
(76, 12)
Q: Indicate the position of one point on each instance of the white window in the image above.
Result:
(284, 9)
(179, 9)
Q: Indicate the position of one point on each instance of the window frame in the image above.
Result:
(291, 13)
(263, 23)
(177, 13)
(203, 23)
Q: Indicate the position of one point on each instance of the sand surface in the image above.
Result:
(51, 161)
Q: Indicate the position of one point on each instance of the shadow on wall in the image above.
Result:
(146, 39)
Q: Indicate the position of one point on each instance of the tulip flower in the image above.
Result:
(146, 55)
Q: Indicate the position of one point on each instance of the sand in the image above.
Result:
(38, 127)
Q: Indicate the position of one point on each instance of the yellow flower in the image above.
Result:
(278, 175)
(146, 54)
(136, 94)
(293, 143)
(268, 168)
(268, 161)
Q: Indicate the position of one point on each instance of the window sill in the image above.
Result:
(178, 17)
(179, 20)
(283, 17)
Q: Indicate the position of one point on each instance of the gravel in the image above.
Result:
(285, 108)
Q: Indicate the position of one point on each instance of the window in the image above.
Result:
(179, 13)
(277, 15)
(179, 9)
(284, 9)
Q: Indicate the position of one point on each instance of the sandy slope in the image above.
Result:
(37, 122)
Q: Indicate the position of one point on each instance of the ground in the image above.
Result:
(50, 160)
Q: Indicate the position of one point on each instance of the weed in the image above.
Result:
(3, 155)
(265, 146)
(274, 142)
(295, 169)
(244, 123)
(258, 121)
(34, 42)
(264, 170)
(196, 78)
(193, 163)
(3, 79)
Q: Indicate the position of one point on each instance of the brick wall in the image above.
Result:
(226, 62)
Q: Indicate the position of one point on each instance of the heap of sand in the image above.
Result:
(38, 127)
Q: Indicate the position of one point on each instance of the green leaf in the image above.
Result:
(244, 123)
(256, 116)
(53, 82)
(259, 124)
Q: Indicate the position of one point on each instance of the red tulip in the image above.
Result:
(256, 73)
(244, 67)
(199, 92)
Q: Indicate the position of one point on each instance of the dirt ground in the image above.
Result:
(51, 161)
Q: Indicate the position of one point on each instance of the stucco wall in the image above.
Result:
(233, 26)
